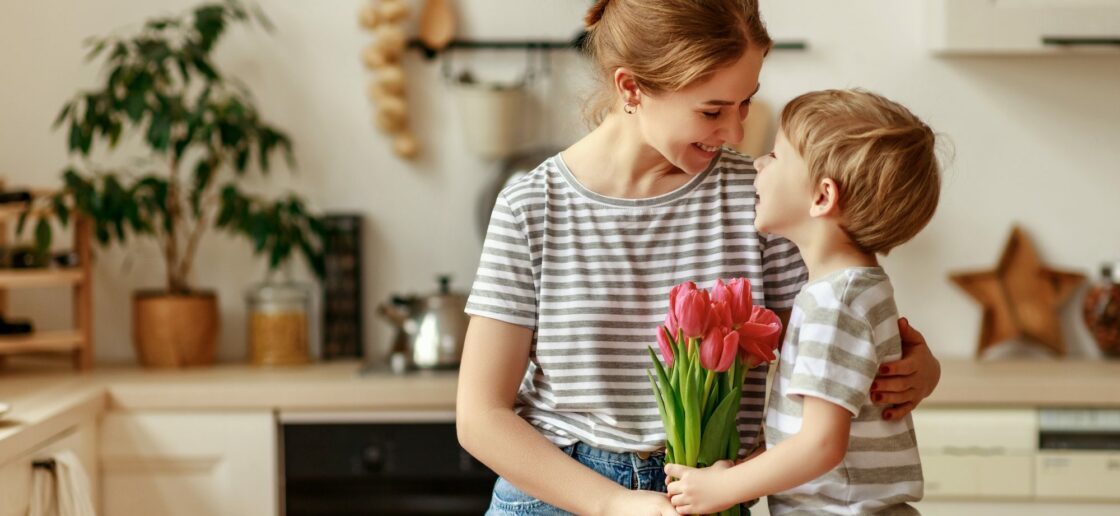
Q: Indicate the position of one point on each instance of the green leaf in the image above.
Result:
(43, 236)
(135, 105)
(60, 209)
(21, 222)
(722, 422)
(673, 424)
(62, 114)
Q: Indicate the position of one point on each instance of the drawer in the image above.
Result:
(977, 476)
(989, 431)
(1081, 475)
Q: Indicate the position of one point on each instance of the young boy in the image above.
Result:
(852, 175)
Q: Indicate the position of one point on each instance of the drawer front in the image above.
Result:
(1080, 475)
(978, 476)
(992, 432)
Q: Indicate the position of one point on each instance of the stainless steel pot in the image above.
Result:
(430, 329)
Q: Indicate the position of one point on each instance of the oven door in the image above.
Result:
(381, 464)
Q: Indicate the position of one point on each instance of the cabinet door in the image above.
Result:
(15, 476)
(189, 463)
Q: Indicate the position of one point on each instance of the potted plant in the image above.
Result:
(204, 135)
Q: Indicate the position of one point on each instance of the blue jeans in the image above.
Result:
(626, 469)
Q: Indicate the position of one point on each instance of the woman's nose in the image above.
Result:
(733, 130)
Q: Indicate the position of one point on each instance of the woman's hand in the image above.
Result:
(904, 383)
(638, 503)
(698, 491)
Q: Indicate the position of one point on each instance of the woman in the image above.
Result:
(580, 256)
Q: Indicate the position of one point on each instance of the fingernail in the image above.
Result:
(883, 369)
(875, 385)
(877, 397)
(888, 415)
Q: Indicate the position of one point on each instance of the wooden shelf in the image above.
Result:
(77, 342)
(31, 278)
(44, 341)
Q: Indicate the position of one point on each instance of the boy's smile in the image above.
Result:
(783, 181)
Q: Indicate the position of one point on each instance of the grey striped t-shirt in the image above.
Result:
(843, 326)
(591, 275)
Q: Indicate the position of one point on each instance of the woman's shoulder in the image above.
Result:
(531, 185)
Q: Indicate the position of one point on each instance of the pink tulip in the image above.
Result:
(718, 349)
(721, 314)
(666, 348)
(692, 311)
(759, 337)
(737, 295)
(675, 293)
(671, 323)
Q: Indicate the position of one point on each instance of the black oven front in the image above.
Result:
(360, 468)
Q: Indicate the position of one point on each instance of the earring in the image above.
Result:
(630, 109)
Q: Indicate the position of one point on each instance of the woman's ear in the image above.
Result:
(626, 87)
(826, 199)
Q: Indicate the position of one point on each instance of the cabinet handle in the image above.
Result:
(965, 451)
(1056, 41)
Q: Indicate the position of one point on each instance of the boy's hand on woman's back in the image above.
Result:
(904, 383)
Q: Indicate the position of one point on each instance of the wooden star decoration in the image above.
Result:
(1021, 297)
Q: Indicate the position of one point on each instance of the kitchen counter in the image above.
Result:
(44, 404)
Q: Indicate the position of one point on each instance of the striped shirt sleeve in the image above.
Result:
(504, 287)
(783, 272)
(836, 358)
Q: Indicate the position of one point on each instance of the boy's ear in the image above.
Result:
(826, 199)
(626, 88)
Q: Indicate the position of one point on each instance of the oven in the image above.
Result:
(378, 463)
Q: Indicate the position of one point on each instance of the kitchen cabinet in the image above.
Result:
(977, 454)
(15, 476)
(189, 463)
(1023, 26)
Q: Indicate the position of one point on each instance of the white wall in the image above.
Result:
(1035, 143)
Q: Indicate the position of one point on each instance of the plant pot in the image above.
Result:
(175, 330)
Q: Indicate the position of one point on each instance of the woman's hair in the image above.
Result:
(667, 44)
(881, 156)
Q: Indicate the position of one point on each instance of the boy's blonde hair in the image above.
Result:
(880, 155)
(668, 44)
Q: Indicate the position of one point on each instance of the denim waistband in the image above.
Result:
(633, 459)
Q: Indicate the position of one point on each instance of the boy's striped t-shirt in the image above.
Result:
(591, 276)
(843, 326)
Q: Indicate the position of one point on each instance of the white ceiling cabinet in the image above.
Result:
(1023, 26)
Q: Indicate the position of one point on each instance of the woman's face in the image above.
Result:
(690, 125)
(784, 193)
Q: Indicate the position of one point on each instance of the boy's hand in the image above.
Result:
(699, 491)
(904, 383)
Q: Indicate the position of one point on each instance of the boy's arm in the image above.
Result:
(816, 449)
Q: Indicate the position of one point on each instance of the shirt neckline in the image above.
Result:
(664, 198)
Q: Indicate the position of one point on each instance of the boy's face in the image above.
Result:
(784, 194)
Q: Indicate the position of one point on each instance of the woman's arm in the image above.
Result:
(495, 356)
(904, 383)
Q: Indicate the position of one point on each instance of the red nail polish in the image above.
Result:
(883, 369)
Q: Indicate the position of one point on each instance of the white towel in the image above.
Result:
(63, 491)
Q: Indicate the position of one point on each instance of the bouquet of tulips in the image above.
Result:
(708, 342)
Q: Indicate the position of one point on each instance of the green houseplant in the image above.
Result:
(203, 135)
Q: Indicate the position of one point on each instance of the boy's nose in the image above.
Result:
(762, 162)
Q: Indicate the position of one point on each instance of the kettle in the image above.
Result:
(430, 329)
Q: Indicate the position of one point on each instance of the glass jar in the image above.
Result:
(278, 330)
(1101, 310)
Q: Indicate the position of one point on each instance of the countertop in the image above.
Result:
(46, 403)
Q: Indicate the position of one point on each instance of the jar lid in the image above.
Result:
(279, 292)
